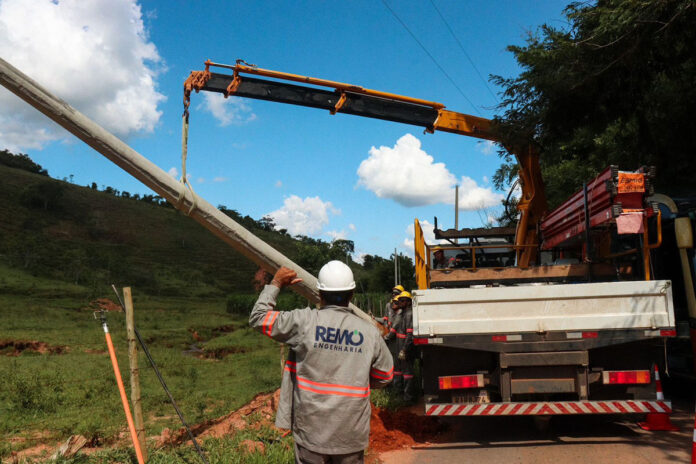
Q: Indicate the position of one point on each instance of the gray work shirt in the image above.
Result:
(335, 358)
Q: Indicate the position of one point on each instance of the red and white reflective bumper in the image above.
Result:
(548, 408)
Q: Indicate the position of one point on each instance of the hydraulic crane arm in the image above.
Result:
(358, 101)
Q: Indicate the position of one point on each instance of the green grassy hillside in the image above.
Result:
(56, 229)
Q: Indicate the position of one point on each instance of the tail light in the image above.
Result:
(625, 377)
(461, 381)
(420, 341)
(506, 338)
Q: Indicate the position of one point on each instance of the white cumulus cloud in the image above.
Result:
(306, 216)
(473, 197)
(408, 175)
(337, 234)
(96, 55)
(174, 172)
(232, 110)
(486, 147)
(359, 257)
(219, 179)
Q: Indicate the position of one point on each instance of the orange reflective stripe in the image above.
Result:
(268, 322)
(338, 393)
(265, 320)
(401, 335)
(382, 375)
(332, 385)
(291, 366)
(377, 371)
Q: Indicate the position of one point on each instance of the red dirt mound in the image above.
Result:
(16, 347)
(391, 430)
(221, 352)
(263, 406)
(104, 304)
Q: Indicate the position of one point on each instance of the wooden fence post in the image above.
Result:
(134, 371)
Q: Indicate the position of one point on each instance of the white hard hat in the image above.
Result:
(335, 276)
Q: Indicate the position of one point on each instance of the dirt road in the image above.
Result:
(592, 440)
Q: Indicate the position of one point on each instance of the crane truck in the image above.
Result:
(569, 312)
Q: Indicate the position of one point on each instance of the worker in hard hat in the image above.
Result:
(335, 358)
(388, 308)
(401, 339)
(439, 260)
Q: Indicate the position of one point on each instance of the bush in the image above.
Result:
(33, 392)
(240, 304)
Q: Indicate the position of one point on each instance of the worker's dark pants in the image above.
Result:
(397, 383)
(305, 456)
(405, 383)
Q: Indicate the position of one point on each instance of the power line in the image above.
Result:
(431, 57)
(461, 47)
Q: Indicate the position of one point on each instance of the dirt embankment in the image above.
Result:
(389, 430)
(262, 407)
(103, 304)
(392, 430)
(17, 347)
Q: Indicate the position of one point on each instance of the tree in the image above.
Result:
(340, 248)
(613, 87)
(44, 195)
(21, 161)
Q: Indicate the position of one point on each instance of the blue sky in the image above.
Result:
(123, 62)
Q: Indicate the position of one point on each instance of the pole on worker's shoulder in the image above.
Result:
(134, 371)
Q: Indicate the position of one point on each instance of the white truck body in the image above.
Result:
(543, 308)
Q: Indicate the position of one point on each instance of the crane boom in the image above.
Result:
(359, 101)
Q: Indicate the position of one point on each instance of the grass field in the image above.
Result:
(62, 245)
(212, 362)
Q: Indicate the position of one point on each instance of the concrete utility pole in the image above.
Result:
(456, 210)
(265, 256)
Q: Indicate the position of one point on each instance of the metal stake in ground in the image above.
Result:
(163, 383)
(121, 388)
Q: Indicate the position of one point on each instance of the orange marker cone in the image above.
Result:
(658, 420)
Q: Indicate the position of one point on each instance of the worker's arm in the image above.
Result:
(286, 327)
(392, 333)
(382, 369)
